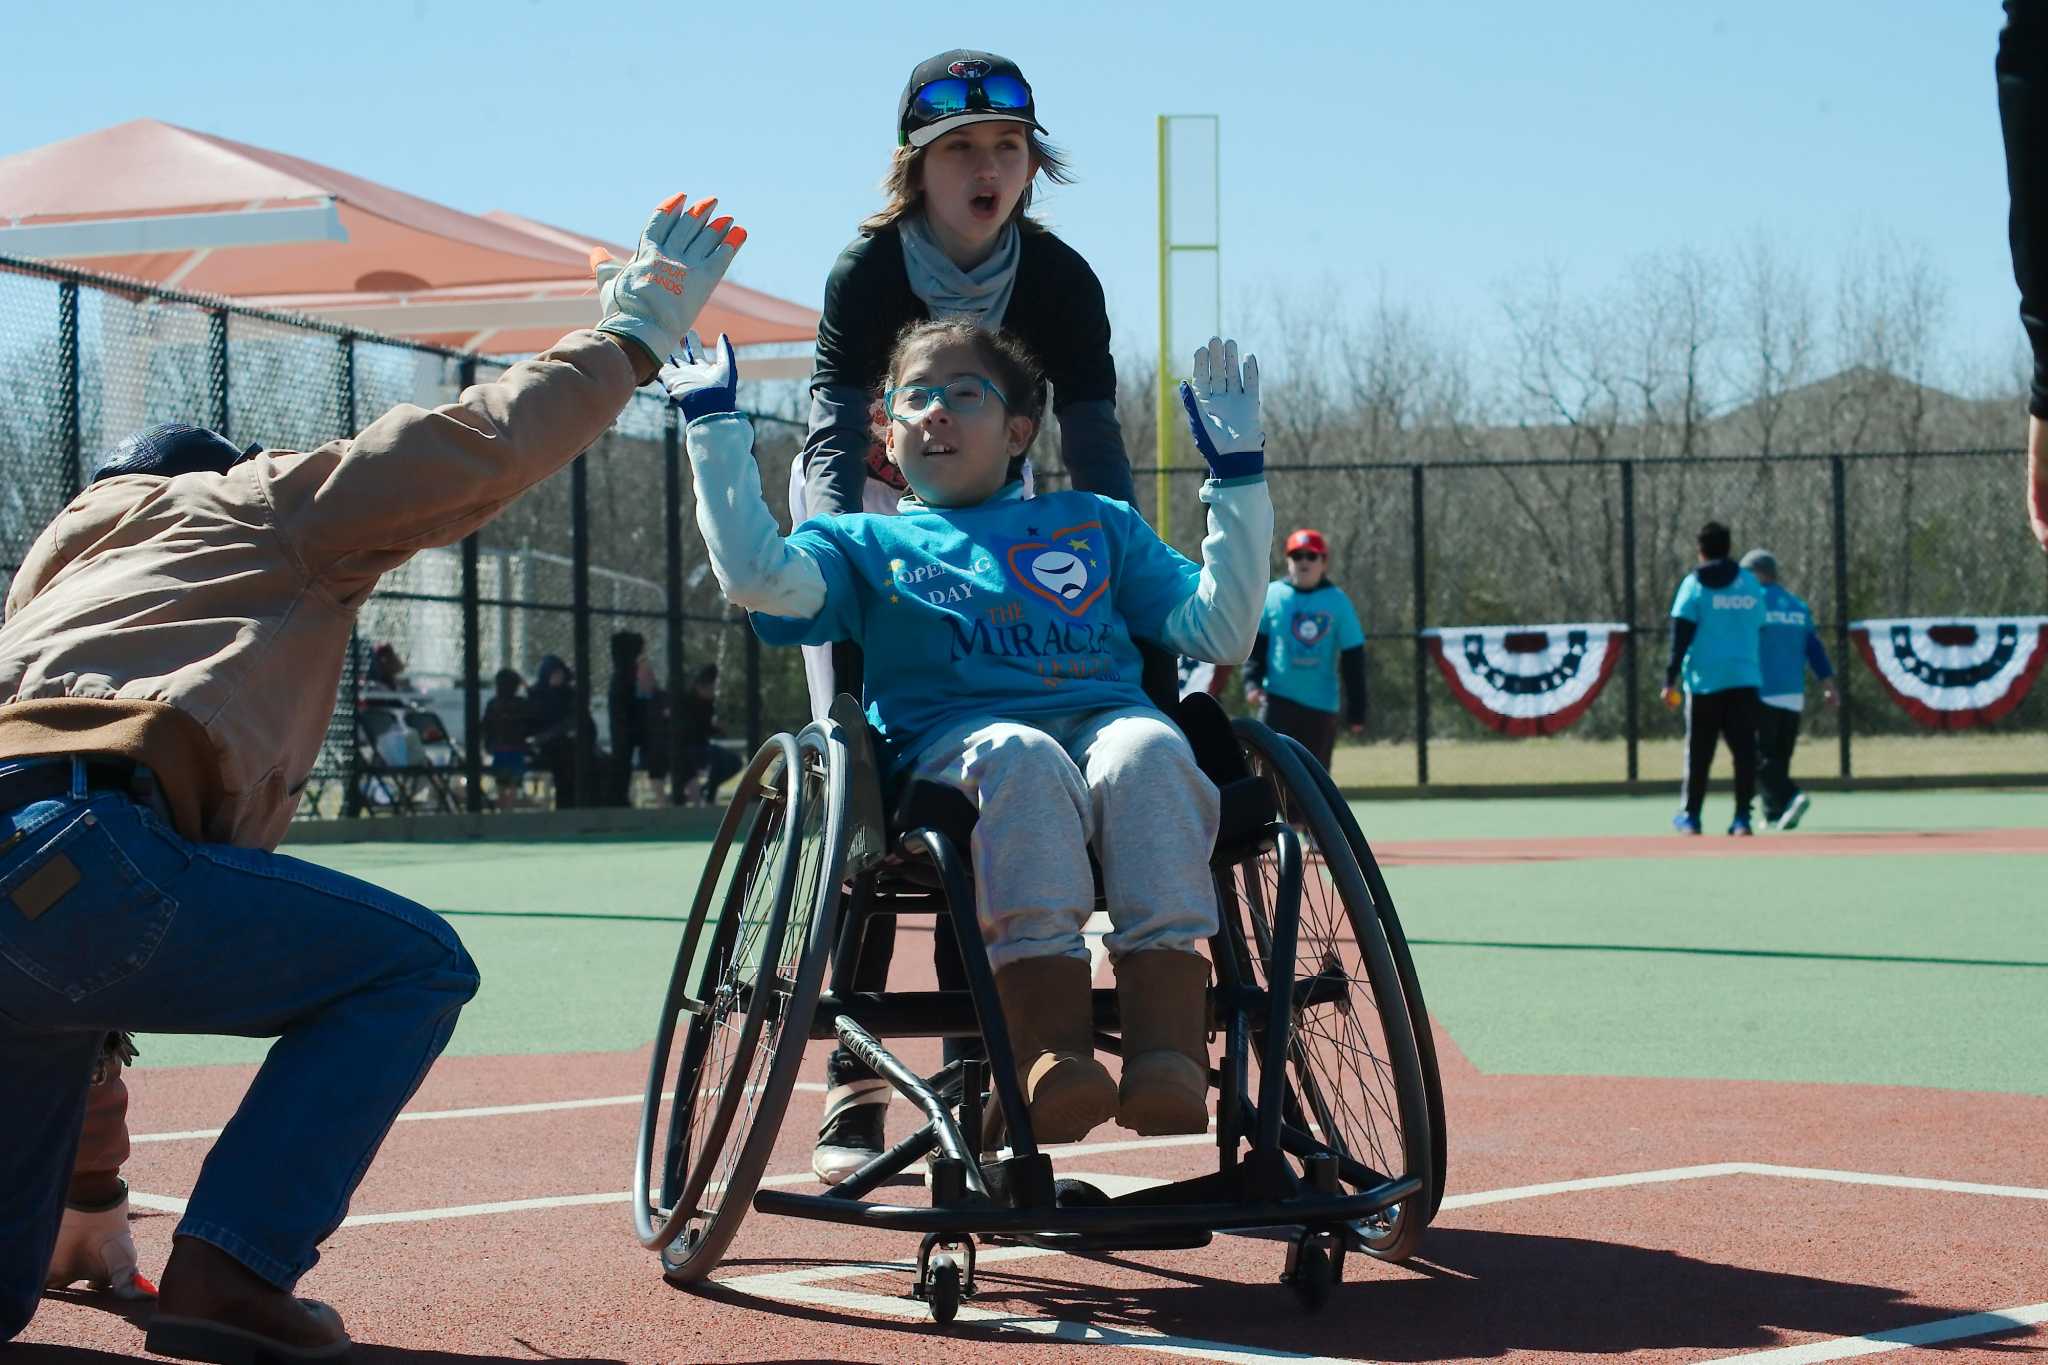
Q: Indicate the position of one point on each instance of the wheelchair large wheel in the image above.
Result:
(741, 995)
(1404, 962)
(1356, 1083)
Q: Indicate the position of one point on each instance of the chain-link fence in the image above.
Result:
(567, 577)
(1475, 543)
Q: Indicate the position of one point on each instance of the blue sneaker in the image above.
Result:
(1685, 822)
(1740, 827)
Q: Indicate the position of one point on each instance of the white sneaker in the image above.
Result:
(97, 1247)
(1794, 813)
(853, 1131)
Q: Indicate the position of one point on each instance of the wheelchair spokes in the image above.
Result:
(761, 1006)
(712, 998)
(1355, 1084)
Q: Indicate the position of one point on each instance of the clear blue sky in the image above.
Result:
(1442, 147)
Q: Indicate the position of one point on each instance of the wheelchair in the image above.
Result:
(1329, 1123)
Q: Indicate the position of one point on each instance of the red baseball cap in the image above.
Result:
(1307, 539)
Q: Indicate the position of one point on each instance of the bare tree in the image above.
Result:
(1775, 335)
(1565, 383)
(1890, 301)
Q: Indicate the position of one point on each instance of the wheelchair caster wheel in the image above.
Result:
(1315, 1264)
(942, 1289)
(941, 1280)
(1314, 1278)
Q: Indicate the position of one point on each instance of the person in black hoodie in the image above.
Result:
(1717, 622)
(2022, 70)
(552, 698)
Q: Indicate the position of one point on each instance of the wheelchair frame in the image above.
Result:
(1326, 1201)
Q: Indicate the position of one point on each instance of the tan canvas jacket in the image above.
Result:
(199, 624)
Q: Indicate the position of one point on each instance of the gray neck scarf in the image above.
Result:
(982, 293)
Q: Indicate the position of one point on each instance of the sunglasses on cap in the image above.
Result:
(980, 94)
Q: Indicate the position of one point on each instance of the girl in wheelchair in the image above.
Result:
(998, 636)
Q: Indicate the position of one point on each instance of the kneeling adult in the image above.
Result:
(169, 664)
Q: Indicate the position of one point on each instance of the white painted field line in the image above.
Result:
(1897, 1182)
(1877, 1343)
(1478, 1198)
(1598, 1182)
(162, 1203)
(1721, 1168)
(488, 1111)
(169, 1204)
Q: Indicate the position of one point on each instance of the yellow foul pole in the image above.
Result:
(1166, 419)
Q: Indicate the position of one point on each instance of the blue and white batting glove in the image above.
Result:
(654, 297)
(1223, 411)
(703, 385)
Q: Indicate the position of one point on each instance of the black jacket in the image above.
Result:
(2022, 68)
(1056, 309)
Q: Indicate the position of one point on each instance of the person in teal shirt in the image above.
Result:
(1717, 619)
(1309, 641)
(998, 633)
(1788, 647)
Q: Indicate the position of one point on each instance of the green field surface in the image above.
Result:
(1909, 969)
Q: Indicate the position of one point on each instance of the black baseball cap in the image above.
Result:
(173, 448)
(961, 87)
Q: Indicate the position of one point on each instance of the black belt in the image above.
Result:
(51, 781)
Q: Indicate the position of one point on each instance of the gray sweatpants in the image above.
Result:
(1122, 781)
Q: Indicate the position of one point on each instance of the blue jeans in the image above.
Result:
(109, 919)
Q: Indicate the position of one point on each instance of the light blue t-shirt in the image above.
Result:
(1305, 633)
(1788, 648)
(1730, 621)
(1014, 607)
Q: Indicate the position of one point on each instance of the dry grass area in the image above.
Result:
(1565, 759)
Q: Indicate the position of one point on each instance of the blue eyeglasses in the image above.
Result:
(908, 402)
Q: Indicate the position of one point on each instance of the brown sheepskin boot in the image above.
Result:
(1052, 1029)
(1161, 994)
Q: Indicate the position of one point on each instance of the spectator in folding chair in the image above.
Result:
(507, 720)
(387, 669)
(173, 646)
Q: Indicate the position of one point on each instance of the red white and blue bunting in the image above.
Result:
(1527, 680)
(1954, 672)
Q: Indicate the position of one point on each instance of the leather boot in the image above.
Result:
(1051, 1019)
(1161, 995)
